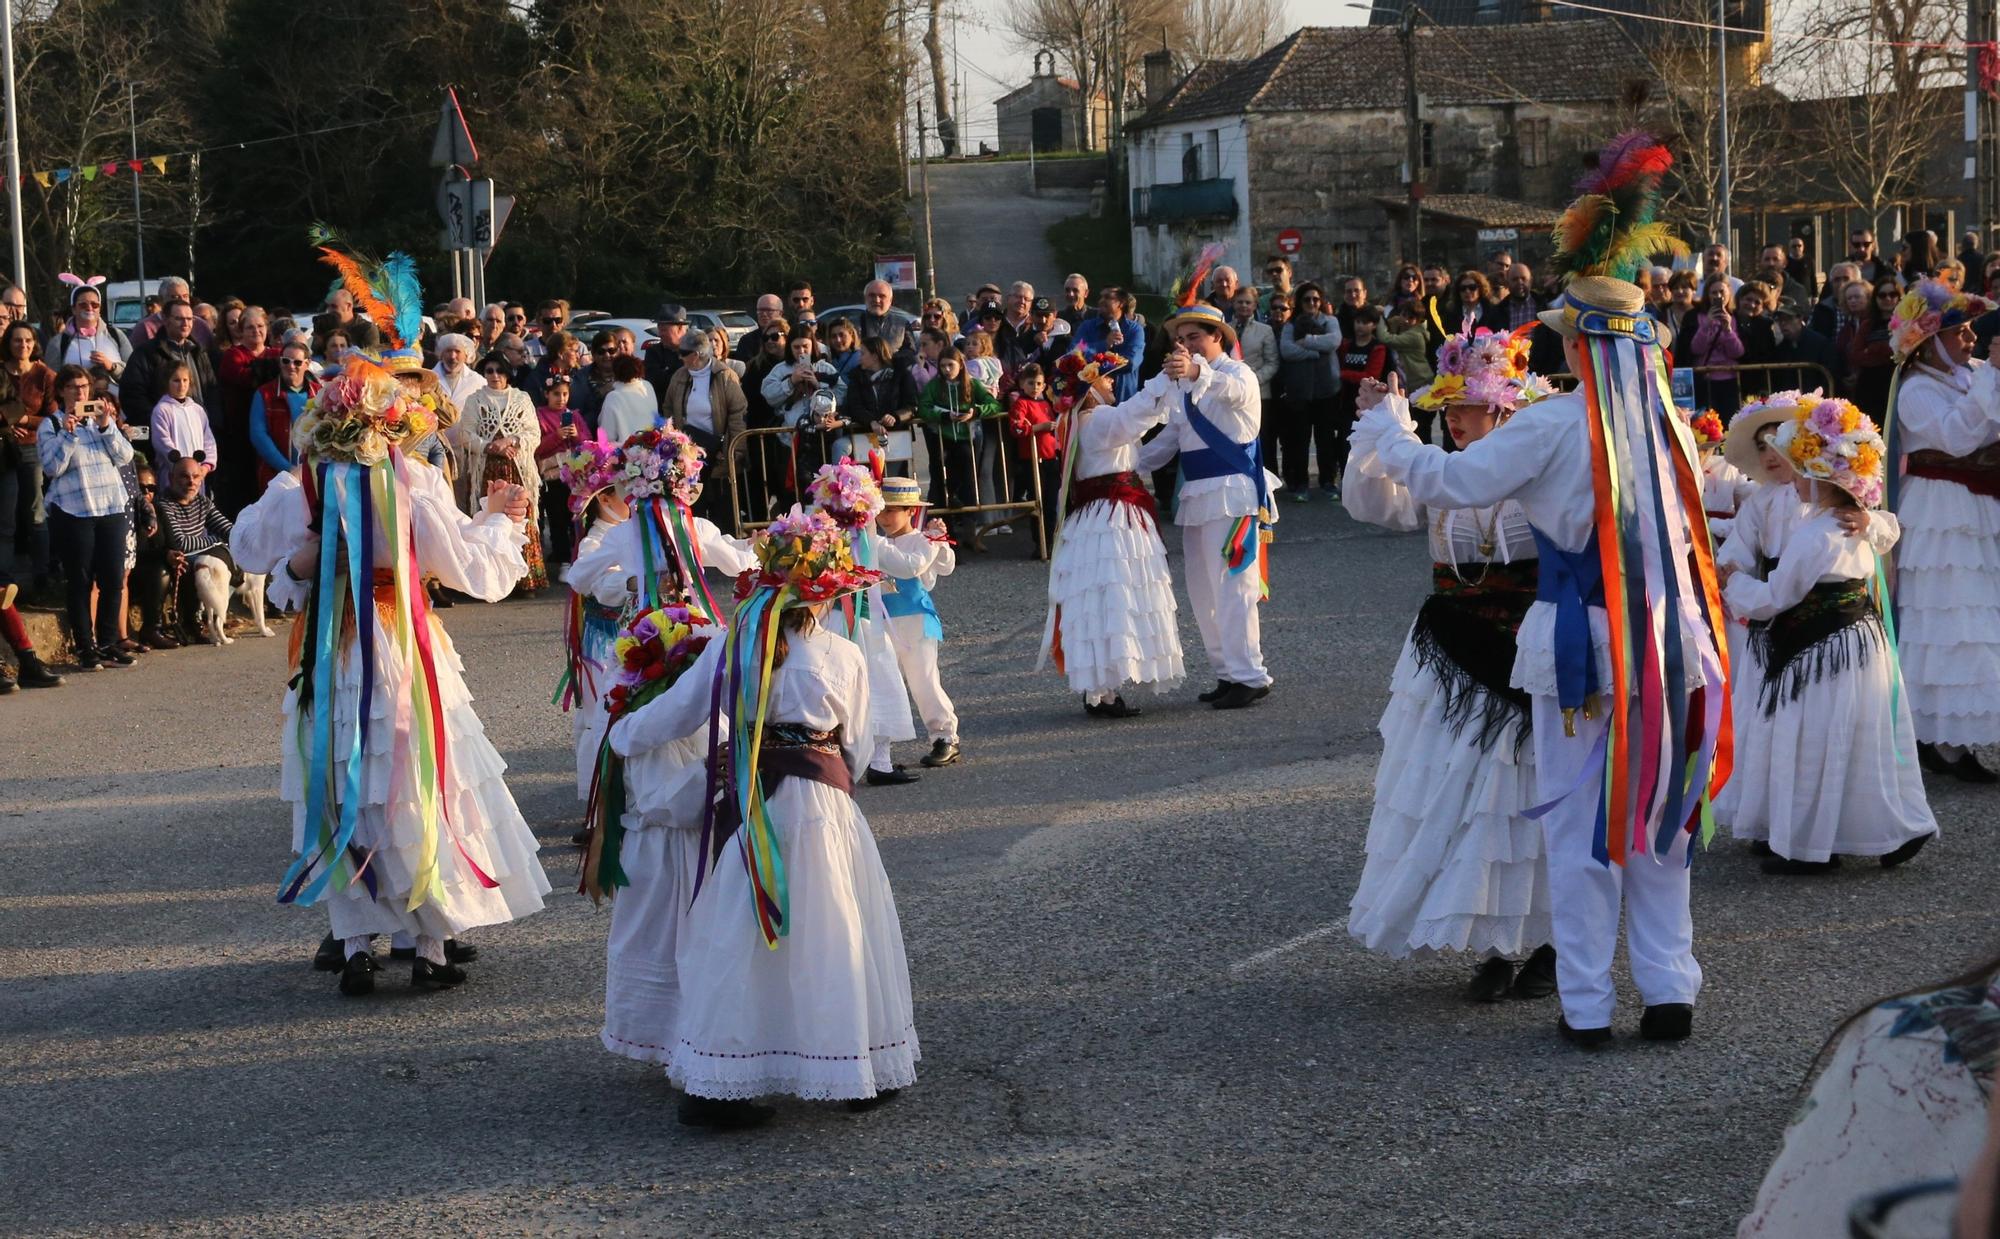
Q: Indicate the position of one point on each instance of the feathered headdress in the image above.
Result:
(1187, 289)
(1614, 227)
(388, 291)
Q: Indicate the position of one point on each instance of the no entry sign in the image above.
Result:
(1290, 242)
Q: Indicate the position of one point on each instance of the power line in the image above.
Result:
(1939, 44)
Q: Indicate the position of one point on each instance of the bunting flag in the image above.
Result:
(89, 173)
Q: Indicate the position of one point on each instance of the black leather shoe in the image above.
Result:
(719, 1115)
(1968, 770)
(426, 975)
(1490, 982)
(1667, 1021)
(331, 955)
(1761, 847)
(861, 1105)
(890, 778)
(1537, 977)
(1221, 687)
(1779, 867)
(454, 952)
(357, 975)
(112, 656)
(1117, 707)
(943, 753)
(1930, 759)
(1094, 711)
(1239, 696)
(1907, 851)
(1588, 1038)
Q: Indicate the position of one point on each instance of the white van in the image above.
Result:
(125, 301)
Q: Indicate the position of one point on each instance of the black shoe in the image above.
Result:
(89, 662)
(1761, 847)
(440, 596)
(112, 656)
(1930, 759)
(1490, 983)
(1667, 1021)
(1221, 687)
(1588, 1038)
(1240, 695)
(1779, 867)
(7, 684)
(36, 674)
(890, 778)
(1118, 708)
(1094, 711)
(426, 975)
(861, 1105)
(719, 1115)
(1968, 770)
(1537, 977)
(357, 975)
(943, 753)
(1907, 851)
(331, 956)
(581, 839)
(456, 952)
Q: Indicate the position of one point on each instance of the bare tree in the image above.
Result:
(1876, 107)
(1229, 29)
(934, 48)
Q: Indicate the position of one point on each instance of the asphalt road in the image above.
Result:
(1140, 1010)
(989, 225)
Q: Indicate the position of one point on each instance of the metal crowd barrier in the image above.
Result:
(767, 472)
(1800, 368)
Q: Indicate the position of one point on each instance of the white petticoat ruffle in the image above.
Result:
(827, 1015)
(1451, 863)
(1109, 584)
(1948, 611)
(642, 991)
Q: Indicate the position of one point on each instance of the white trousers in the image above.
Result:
(1225, 606)
(1585, 896)
(917, 655)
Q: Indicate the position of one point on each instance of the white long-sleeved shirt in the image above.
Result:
(608, 568)
(1817, 550)
(1226, 392)
(1957, 413)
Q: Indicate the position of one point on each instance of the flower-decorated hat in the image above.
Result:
(1080, 368)
(659, 462)
(1928, 308)
(807, 556)
(1488, 368)
(359, 416)
(588, 469)
(1830, 440)
(1739, 442)
(1706, 427)
(847, 492)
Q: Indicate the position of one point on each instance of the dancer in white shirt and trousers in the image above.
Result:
(1214, 419)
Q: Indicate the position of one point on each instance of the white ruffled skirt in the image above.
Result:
(587, 718)
(826, 1015)
(1833, 773)
(642, 991)
(482, 813)
(1451, 863)
(1746, 680)
(1110, 590)
(1947, 605)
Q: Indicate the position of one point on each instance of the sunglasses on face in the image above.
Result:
(146, 490)
(1468, 288)
(290, 361)
(551, 322)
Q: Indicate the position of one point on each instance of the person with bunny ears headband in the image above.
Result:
(88, 339)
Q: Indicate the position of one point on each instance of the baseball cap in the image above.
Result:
(1787, 308)
(1041, 305)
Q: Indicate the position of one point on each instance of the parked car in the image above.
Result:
(641, 328)
(735, 322)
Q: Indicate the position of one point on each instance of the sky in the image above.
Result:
(990, 62)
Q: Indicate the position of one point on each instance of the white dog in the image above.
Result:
(211, 587)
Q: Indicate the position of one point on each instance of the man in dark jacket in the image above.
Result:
(878, 320)
(145, 375)
(1800, 343)
(663, 357)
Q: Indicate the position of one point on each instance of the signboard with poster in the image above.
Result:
(898, 271)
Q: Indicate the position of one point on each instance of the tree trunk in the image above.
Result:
(940, 93)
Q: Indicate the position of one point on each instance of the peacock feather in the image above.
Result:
(1614, 226)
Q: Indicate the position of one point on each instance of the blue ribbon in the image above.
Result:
(1573, 581)
(1222, 456)
(907, 596)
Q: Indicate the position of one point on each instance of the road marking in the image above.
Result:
(1268, 954)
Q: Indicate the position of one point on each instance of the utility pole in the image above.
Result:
(924, 179)
(1982, 122)
(903, 87)
(14, 154)
(138, 220)
(1722, 98)
(1413, 124)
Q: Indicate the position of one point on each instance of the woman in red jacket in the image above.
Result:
(241, 369)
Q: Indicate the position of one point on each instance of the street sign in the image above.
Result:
(453, 142)
(1290, 242)
(1499, 234)
(896, 270)
(454, 201)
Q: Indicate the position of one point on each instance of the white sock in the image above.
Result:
(430, 948)
(881, 761)
(358, 945)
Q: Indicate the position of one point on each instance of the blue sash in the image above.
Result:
(1222, 456)
(1574, 582)
(907, 596)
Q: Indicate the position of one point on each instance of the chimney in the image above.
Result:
(1159, 67)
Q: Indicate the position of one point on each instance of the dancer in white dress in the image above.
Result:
(792, 971)
(1828, 761)
(847, 493)
(1724, 487)
(1945, 425)
(400, 815)
(1112, 618)
(1452, 863)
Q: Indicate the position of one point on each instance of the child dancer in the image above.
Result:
(589, 473)
(793, 977)
(1453, 863)
(1829, 765)
(1724, 487)
(849, 496)
(1111, 603)
(912, 559)
(401, 817)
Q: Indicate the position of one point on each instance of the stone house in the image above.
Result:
(1048, 112)
(1310, 138)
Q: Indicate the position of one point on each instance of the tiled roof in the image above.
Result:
(1481, 209)
(1742, 14)
(1322, 68)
